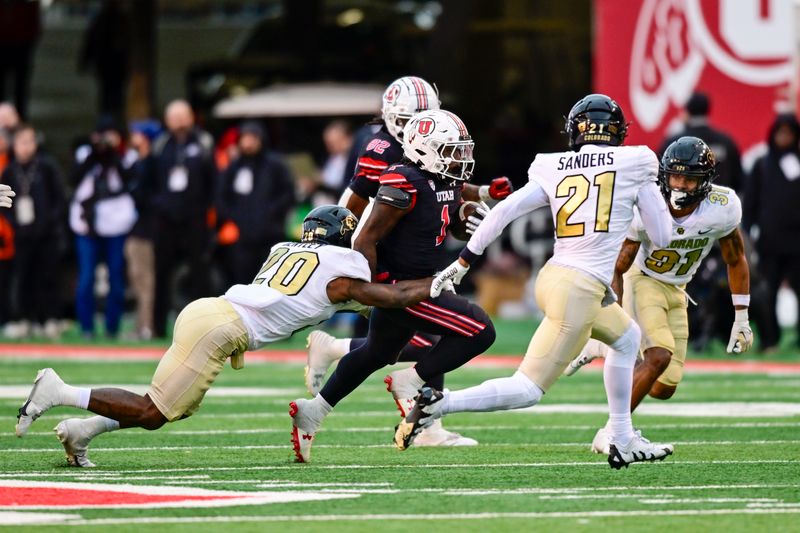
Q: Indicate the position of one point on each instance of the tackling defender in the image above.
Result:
(653, 278)
(592, 192)
(301, 284)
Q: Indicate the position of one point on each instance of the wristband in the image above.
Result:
(483, 193)
(741, 299)
(468, 255)
(740, 315)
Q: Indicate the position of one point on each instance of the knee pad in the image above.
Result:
(623, 350)
(529, 392)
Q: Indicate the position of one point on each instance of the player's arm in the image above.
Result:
(498, 189)
(655, 215)
(400, 294)
(732, 246)
(624, 261)
(391, 205)
(354, 202)
(519, 203)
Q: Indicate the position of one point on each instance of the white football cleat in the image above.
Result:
(44, 395)
(602, 441)
(594, 349)
(427, 409)
(436, 435)
(637, 450)
(320, 358)
(402, 391)
(303, 430)
(75, 440)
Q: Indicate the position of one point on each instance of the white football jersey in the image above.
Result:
(289, 293)
(692, 238)
(591, 194)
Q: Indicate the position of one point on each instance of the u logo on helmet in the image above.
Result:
(392, 93)
(425, 126)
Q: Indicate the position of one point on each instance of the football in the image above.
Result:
(459, 228)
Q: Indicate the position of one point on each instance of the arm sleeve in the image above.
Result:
(521, 202)
(655, 215)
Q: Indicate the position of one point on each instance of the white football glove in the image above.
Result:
(741, 334)
(475, 219)
(452, 274)
(6, 194)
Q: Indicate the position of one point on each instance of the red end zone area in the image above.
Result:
(52, 495)
(100, 353)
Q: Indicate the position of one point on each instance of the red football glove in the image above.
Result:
(500, 188)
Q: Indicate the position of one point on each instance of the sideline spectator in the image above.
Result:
(256, 195)
(9, 118)
(139, 254)
(184, 190)
(102, 212)
(771, 204)
(36, 216)
(335, 175)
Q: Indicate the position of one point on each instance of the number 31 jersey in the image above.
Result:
(591, 194)
(716, 217)
(289, 293)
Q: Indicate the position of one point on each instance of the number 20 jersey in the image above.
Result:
(717, 216)
(592, 193)
(289, 293)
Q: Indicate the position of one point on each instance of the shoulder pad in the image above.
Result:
(394, 197)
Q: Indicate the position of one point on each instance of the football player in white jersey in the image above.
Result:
(6, 195)
(301, 284)
(655, 276)
(591, 191)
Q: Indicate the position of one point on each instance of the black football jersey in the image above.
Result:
(380, 151)
(415, 246)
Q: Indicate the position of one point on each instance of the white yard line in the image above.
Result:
(298, 468)
(418, 518)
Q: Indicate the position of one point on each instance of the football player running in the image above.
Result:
(6, 195)
(653, 278)
(402, 99)
(301, 284)
(418, 201)
(591, 192)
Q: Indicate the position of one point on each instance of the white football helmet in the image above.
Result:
(438, 141)
(404, 98)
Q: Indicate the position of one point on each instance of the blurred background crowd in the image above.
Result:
(137, 192)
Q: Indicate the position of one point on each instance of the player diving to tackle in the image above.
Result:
(403, 99)
(301, 284)
(653, 278)
(591, 192)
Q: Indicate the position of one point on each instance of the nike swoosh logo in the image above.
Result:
(703, 232)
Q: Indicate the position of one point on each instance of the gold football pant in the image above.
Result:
(571, 301)
(660, 310)
(207, 332)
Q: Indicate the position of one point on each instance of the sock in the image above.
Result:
(319, 409)
(75, 396)
(339, 347)
(618, 381)
(494, 395)
(96, 425)
(411, 375)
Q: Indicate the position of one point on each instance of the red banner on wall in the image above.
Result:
(651, 55)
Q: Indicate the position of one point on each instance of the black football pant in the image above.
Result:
(419, 345)
(465, 329)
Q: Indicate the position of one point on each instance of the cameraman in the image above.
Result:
(101, 215)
